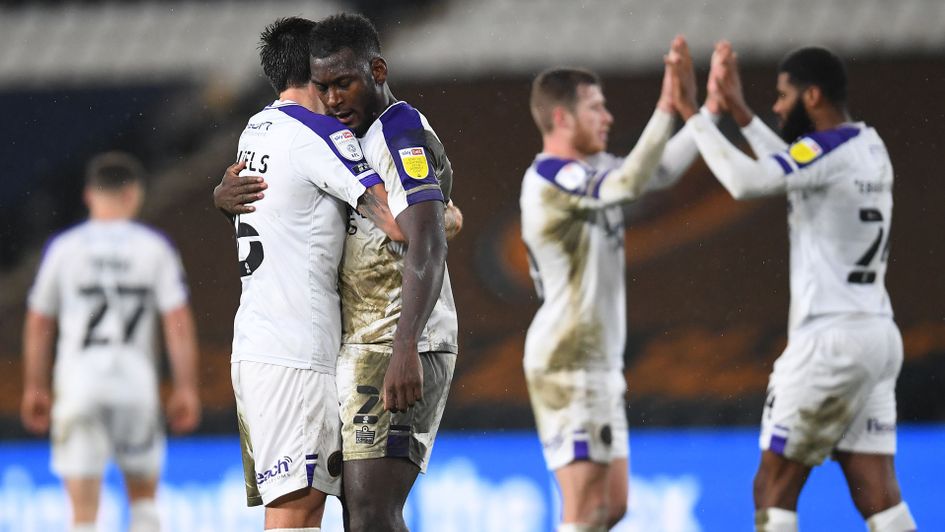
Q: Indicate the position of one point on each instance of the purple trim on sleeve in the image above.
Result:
(371, 180)
(549, 168)
(403, 129)
(786, 166)
(829, 140)
(430, 194)
(324, 127)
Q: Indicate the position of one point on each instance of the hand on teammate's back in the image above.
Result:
(35, 410)
(183, 410)
(235, 193)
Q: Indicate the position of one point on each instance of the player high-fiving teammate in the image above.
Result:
(832, 391)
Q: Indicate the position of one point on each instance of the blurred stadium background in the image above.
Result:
(174, 82)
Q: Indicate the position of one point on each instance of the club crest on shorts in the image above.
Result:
(335, 462)
(805, 150)
(347, 145)
(414, 161)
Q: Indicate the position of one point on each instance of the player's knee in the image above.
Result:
(760, 487)
(615, 512)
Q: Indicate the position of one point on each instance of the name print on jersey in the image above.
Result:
(250, 157)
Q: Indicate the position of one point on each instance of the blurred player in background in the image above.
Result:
(832, 391)
(573, 225)
(102, 286)
(287, 330)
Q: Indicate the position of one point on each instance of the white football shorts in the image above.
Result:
(87, 433)
(581, 415)
(289, 430)
(834, 388)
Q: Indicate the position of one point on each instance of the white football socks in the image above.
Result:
(144, 516)
(775, 520)
(895, 519)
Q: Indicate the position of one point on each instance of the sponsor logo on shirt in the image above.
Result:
(805, 150)
(279, 470)
(414, 161)
(347, 145)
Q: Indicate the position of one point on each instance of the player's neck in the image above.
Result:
(558, 146)
(302, 96)
(105, 214)
(830, 119)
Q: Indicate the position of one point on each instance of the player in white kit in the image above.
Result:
(287, 328)
(573, 226)
(399, 326)
(101, 290)
(832, 391)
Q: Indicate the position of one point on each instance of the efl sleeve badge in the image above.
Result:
(414, 161)
(347, 145)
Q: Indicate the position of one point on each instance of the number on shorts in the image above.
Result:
(363, 416)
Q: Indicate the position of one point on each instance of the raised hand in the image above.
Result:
(683, 77)
(724, 75)
(665, 103)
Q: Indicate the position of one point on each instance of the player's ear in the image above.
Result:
(812, 97)
(561, 117)
(379, 70)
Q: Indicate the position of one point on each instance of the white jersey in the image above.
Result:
(839, 186)
(576, 252)
(409, 157)
(107, 282)
(290, 246)
(839, 189)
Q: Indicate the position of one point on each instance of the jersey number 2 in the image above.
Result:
(867, 275)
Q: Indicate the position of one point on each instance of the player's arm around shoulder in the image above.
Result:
(235, 193)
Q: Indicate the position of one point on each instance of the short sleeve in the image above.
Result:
(170, 289)
(412, 179)
(44, 296)
(328, 155)
(571, 176)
